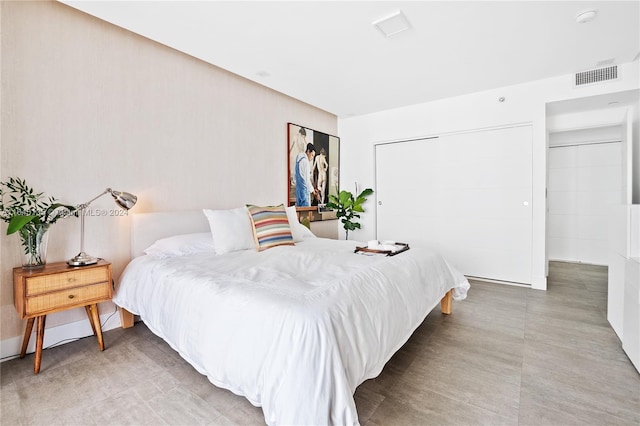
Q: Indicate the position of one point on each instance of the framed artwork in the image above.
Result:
(313, 173)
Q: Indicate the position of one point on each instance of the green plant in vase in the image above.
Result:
(348, 207)
(30, 213)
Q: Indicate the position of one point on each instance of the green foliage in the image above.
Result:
(25, 209)
(347, 207)
(306, 222)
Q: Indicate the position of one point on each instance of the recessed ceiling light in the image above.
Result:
(392, 24)
(586, 16)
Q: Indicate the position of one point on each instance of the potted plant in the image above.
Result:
(348, 206)
(30, 214)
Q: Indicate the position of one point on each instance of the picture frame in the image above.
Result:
(323, 168)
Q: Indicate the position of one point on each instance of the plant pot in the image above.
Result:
(34, 238)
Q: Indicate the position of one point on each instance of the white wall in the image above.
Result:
(87, 105)
(524, 103)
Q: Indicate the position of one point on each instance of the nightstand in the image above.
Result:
(58, 287)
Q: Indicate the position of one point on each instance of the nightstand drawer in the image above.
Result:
(48, 283)
(59, 300)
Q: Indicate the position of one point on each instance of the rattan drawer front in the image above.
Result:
(64, 299)
(48, 283)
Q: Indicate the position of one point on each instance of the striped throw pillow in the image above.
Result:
(270, 226)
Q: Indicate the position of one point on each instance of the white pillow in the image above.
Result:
(298, 230)
(181, 245)
(293, 222)
(306, 232)
(231, 229)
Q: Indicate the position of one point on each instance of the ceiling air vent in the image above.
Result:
(597, 75)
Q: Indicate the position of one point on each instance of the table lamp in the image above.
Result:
(123, 199)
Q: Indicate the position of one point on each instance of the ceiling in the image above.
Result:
(328, 53)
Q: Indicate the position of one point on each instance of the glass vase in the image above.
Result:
(34, 239)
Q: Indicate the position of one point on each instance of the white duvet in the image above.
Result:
(294, 329)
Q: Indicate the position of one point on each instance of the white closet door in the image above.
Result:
(407, 186)
(468, 195)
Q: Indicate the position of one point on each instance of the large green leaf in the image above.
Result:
(345, 197)
(18, 222)
(365, 193)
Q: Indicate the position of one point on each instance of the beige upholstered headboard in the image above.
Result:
(146, 228)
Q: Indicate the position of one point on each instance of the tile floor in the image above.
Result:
(507, 356)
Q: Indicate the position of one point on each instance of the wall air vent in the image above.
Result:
(597, 75)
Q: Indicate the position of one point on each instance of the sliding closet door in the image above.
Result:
(468, 195)
(407, 187)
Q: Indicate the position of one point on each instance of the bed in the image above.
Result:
(295, 328)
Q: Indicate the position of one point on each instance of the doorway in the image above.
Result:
(584, 184)
(591, 170)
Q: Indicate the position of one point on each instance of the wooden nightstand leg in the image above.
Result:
(93, 326)
(27, 337)
(39, 340)
(97, 328)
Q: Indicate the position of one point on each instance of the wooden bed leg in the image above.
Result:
(446, 302)
(126, 318)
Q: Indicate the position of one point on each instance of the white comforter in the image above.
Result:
(294, 329)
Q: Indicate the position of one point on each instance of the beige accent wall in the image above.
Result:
(86, 105)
